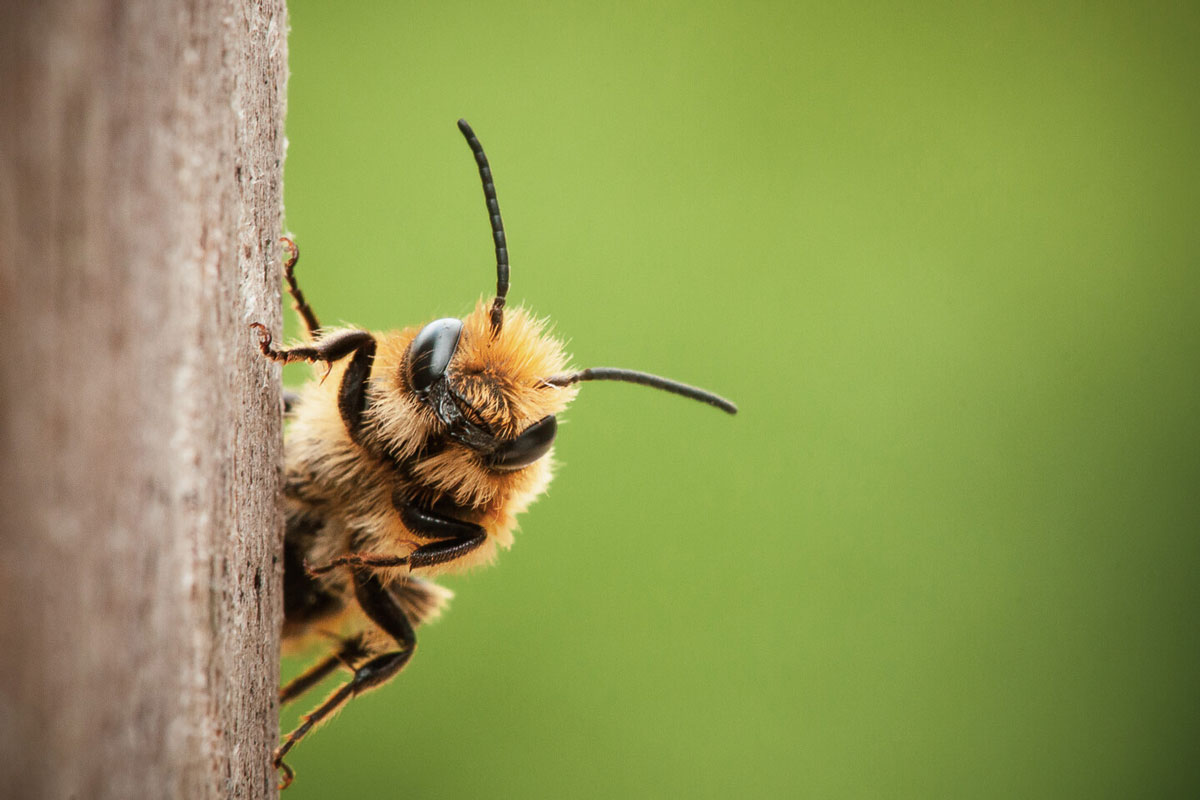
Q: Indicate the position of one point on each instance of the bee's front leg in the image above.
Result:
(454, 539)
(330, 349)
(352, 394)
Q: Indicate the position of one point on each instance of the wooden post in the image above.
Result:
(141, 152)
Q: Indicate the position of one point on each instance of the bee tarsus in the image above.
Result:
(311, 325)
(332, 348)
(381, 607)
(357, 560)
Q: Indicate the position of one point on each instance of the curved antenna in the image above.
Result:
(493, 205)
(644, 379)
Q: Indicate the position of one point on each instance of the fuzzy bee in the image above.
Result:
(411, 455)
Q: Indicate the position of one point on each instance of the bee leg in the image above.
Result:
(308, 679)
(381, 607)
(458, 537)
(454, 539)
(329, 349)
(350, 653)
(429, 524)
(311, 325)
(357, 561)
(352, 394)
(440, 552)
(427, 555)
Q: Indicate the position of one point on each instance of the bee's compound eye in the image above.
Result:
(430, 353)
(533, 443)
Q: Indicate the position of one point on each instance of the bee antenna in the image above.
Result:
(644, 379)
(493, 205)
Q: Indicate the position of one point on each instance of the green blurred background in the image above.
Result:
(946, 259)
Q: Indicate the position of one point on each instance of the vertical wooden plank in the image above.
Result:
(141, 154)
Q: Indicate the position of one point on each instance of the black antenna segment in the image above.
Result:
(493, 205)
(644, 379)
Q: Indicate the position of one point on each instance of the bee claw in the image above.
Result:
(264, 339)
(315, 571)
(288, 774)
(292, 250)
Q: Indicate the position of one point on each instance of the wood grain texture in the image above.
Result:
(141, 151)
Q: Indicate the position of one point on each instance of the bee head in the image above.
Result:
(488, 387)
(496, 379)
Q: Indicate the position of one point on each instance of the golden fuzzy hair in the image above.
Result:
(502, 377)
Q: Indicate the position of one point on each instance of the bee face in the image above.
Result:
(487, 387)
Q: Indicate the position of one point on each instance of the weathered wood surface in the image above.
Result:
(141, 152)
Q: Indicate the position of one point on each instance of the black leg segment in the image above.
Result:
(440, 552)
(378, 604)
(352, 651)
(453, 538)
(429, 524)
(352, 394)
(330, 349)
(457, 537)
(426, 555)
(311, 325)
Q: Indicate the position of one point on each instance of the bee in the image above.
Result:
(412, 455)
